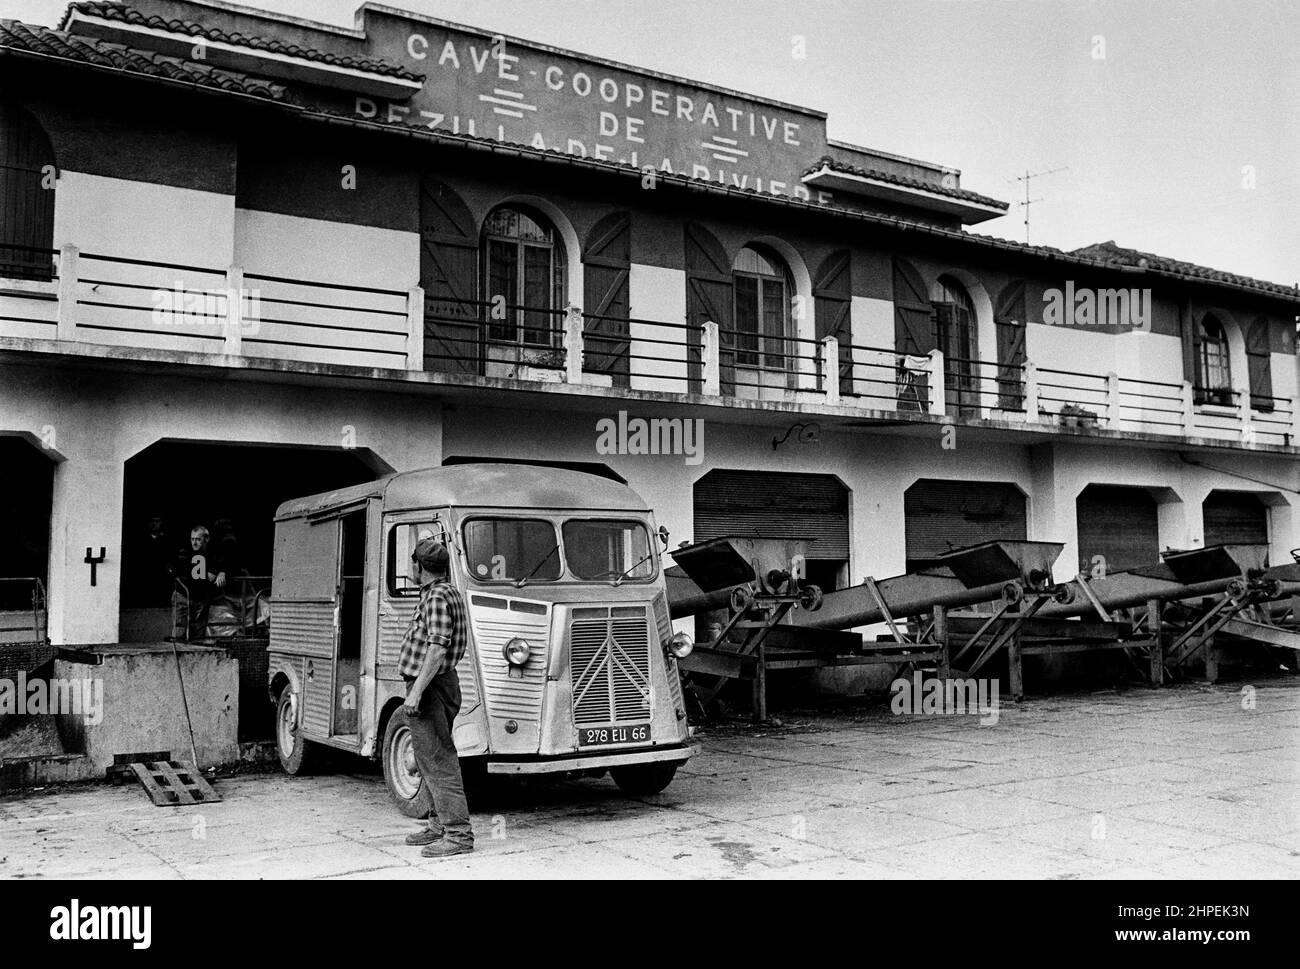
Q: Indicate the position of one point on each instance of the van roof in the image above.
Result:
(478, 485)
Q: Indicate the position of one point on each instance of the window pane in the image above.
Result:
(773, 325)
(747, 320)
(403, 576)
(503, 282)
(537, 295)
(606, 550)
(504, 549)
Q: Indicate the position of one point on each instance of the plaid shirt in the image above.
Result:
(437, 631)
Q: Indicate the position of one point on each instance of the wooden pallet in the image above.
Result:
(172, 784)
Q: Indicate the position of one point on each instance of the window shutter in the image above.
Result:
(708, 297)
(448, 275)
(832, 308)
(26, 208)
(1010, 324)
(1259, 360)
(607, 264)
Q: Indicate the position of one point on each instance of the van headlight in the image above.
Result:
(681, 645)
(517, 652)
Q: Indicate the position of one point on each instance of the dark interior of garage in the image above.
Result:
(185, 485)
(26, 487)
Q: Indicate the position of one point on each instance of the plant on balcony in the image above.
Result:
(1072, 415)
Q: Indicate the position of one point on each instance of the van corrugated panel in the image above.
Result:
(303, 628)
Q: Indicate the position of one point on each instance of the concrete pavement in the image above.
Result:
(1192, 782)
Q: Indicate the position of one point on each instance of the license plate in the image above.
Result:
(608, 736)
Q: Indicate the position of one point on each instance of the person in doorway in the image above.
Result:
(201, 579)
(155, 563)
(433, 645)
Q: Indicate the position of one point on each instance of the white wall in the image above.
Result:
(98, 421)
(658, 295)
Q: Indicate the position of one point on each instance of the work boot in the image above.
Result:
(442, 848)
(425, 837)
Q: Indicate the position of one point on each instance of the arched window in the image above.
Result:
(1213, 370)
(26, 196)
(523, 275)
(954, 328)
(763, 287)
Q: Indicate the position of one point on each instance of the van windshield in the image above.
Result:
(512, 549)
(608, 550)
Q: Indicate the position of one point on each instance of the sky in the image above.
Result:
(1177, 122)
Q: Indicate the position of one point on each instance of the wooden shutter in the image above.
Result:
(1259, 362)
(940, 516)
(833, 305)
(708, 298)
(808, 507)
(607, 263)
(1009, 322)
(915, 333)
(1119, 525)
(26, 206)
(448, 273)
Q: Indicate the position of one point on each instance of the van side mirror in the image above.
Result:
(663, 535)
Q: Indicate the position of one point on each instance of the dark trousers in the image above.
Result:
(189, 617)
(437, 760)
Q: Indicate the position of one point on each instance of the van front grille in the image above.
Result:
(610, 660)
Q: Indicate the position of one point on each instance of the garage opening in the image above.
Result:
(26, 492)
(1235, 518)
(940, 516)
(1118, 529)
(811, 507)
(231, 491)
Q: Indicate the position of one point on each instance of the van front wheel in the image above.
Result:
(643, 779)
(405, 785)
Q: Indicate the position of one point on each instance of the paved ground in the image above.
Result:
(1179, 783)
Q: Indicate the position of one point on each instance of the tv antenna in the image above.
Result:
(1028, 178)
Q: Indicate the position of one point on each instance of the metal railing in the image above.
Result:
(229, 313)
(241, 610)
(23, 612)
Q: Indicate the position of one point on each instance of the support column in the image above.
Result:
(86, 513)
(1157, 655)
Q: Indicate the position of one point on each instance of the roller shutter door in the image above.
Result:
(1119, 525)
(1235, 518)
(792, 506)
(943, 515)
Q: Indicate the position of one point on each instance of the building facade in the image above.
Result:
(245, 258)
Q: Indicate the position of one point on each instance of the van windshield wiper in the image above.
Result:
(537, 568)
(626, 575)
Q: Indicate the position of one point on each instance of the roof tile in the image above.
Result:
(124, 14)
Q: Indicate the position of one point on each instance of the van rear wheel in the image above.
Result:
(642, 779)
(298, 755)
(406, 787)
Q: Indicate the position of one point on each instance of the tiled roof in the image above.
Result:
(1115, 255)
(42, 41)
(116, 11)
(877, 175)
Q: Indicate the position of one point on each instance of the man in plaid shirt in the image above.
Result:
(434, 644)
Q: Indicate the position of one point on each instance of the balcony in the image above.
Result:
(84, 302)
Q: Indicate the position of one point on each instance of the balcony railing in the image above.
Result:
(100, 299)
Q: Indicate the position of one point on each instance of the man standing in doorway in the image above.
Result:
(434, 644)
